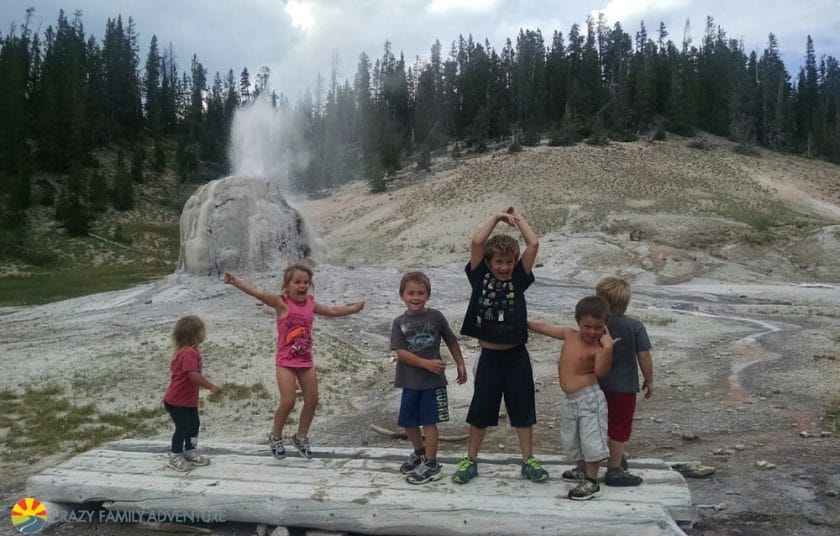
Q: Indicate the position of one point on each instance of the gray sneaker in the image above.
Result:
(620, 477)
(302, 446)
(425, 472)
(277, 448)
(573, 475)
(585, 490)
(179, 463)
(414, 460)
(533, 470)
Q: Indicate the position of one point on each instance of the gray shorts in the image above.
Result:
(583, 425)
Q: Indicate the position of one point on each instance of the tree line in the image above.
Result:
(64, 94)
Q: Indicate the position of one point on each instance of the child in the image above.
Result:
(585, 357)
(294, 310)
(181, 397)
(622, 383)
(415, 336)
(497, 316)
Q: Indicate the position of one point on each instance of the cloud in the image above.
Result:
(449, 7)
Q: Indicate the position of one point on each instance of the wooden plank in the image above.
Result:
(361, 490)
(382, 511)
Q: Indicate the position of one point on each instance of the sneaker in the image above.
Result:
(302, 446)
(425, 472)
(620, 477)
(179, 463)
(277, 448)
(585, 490)
(533, 470)
(465, 471)
(414, 460)
(573, 475)
(195, 458)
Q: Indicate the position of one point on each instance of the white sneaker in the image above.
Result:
(179, 463)
(195, 458)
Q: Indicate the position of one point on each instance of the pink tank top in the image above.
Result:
(294, 334)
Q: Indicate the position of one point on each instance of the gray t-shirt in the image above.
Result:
(420, 334)
(624, 374)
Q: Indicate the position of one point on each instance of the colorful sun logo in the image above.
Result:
(29, 515)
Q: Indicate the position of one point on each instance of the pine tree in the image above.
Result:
(122, 194)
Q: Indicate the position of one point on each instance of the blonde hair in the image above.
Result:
(617, 293)
(188, 331)
(415, 277)
(501, 244)
(290, 272)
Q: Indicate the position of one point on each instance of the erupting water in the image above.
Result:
(243, 222)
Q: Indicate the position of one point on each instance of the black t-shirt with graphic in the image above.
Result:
(497, 312)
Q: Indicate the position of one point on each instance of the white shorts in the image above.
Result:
(583, 425)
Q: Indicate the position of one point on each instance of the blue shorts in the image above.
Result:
(423, 407)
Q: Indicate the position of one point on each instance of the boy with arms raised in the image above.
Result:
(497, 316)
(622, 383)
(586, 356)
(416, 336)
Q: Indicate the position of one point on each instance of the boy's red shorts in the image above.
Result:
(620, 410)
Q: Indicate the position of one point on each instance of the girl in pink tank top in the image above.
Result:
(294, 309)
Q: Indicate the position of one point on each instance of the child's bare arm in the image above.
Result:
(603, 357)
(481, 234)
(338, 310)
(435, 366)
(272, 300)
(458, 357)
(532, 241)
(557, 332)
(197, 378)
(646, 364)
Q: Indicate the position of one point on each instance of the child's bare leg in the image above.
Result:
(591, 470)
(286, 385)
(475, 440)
(431, 440)
(415, 436)
(309, 385)
(616, 453)
(526, 441)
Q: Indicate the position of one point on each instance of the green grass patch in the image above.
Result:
(40, 422)
(45, 287)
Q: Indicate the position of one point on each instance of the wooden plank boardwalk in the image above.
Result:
(361, 490)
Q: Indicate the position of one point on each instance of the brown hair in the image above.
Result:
(415, 277)
(594, 306)
(617, 293)
(188, 331)
(501, 244)
(290, 272)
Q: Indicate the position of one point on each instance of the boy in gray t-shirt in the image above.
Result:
(416, 336)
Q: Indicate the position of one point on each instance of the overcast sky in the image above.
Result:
(295, 38)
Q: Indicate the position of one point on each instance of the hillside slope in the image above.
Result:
(662, 211)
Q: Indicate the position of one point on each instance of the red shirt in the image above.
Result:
(182, 391)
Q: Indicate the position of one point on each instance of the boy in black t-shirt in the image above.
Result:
(415, 337)
(497, 316)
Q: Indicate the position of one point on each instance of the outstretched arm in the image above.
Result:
(532, 242)
(338, 310)
(273, 300)
(646, 364)
(481, 234)
(557, 332)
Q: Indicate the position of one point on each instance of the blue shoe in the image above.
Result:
(533, 470)
(466, 470)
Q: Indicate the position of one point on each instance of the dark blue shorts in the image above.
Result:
(508, 374)
(423, 407)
